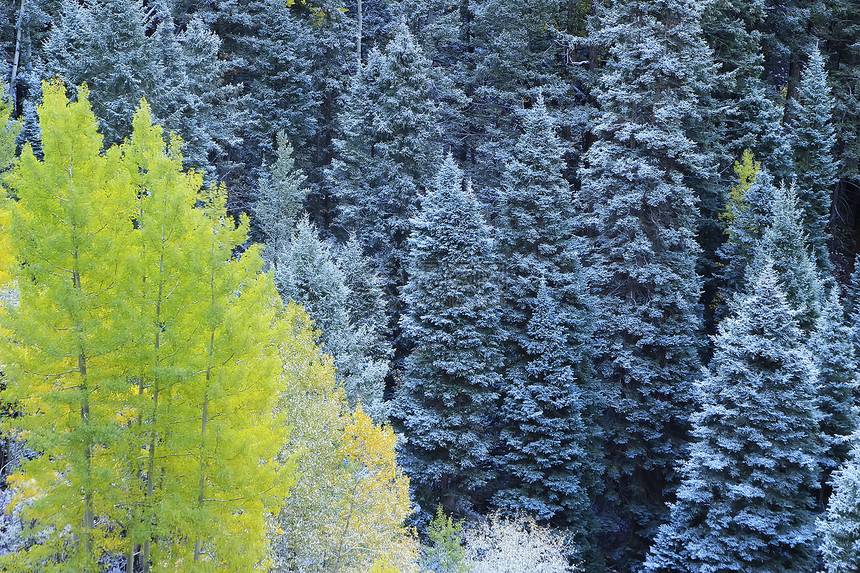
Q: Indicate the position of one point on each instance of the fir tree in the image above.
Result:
(784, 244)
(639, 214)
(745, 503)
(306, 273)
(813, 138)
(840, 526)
(833, 349)
(387, 152)
(450, 388)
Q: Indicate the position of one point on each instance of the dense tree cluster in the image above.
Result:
(579, 265)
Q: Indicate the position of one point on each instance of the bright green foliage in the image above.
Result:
(812, 139)
(446, 553)
(62, 345)
(142, 354)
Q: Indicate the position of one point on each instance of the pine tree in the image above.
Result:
(549, 440)
(840, 526)
(745, 503)
(783, 243)
(833, 349)
(387, 152)
(747, 216)
(306, 273)
(450, 388)
(639, 214)
(813, 138)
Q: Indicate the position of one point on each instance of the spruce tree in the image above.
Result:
(748, 214)
(813, 138)
(833, 349)
(784, 244)
(306, 273)
(746, 501)
(448, 399)
(639, 215)
(387, 152)
(840, 526)
(546, 315)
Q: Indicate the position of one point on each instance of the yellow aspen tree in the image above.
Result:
(346, 510)
(61, 343)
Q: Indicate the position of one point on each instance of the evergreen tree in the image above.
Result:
(549, 440)
(840, 526)
(639, 214)
(280, 198)
(745, 503)
(783, 243)
(123, 52)
(813, 138)
(306, 274)
(450, 388)
(387, 152)
(753, 112)
(747, 216)
(833, 349)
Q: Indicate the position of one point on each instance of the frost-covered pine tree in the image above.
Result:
(784, 244)
(280, 199)
(840, 527)
(833, 349)
(125, 51)
(448, 401)
(550, 439)
(746, 502)
(387, 152)
(747, 216)
(306, 273)
(640, 215)
(813, 138)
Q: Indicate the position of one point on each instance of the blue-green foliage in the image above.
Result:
(387, 152)
(813, 137)
(639, 214)
(746, 501)
(833, 349)
(550, 439)
(840, 526)
(750, 218)
(448, 401)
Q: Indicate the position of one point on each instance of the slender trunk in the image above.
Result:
(153, 436)
(198, 546)
(12, 90)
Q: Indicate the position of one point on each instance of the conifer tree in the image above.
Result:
(784, 244)
(746, 501)
(306, 273)
(748, 214)
(833, 349)
(387, 152)
(813, 138)
(639, 214)
(549, 401)
(450, 385)
(840, 526)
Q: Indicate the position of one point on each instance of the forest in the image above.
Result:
(449, 286)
